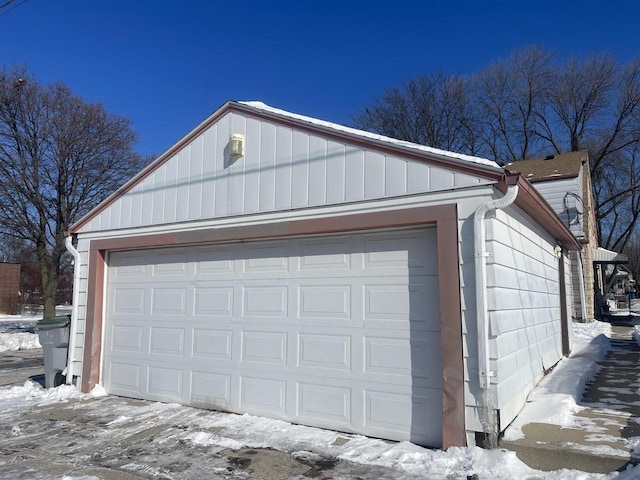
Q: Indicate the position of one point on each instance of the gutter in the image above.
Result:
(480, 254)
(68, 243)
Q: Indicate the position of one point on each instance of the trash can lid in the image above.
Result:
(57, 320)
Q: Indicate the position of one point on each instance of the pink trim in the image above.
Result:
(444, 217)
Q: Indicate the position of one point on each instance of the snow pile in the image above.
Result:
(246, 431)
(17, 332)
(555, 399)
(10, 342)
(32, 393)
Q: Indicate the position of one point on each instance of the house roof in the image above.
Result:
(552, 167)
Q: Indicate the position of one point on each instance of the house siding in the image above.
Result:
(81, 307)
(524, 308)
(555, 192)
(282, 169)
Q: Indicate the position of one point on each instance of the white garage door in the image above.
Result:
(339, 332)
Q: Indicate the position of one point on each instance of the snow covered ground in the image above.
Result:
(554, 401)
(17, 332)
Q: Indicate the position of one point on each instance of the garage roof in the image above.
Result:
(462, 170)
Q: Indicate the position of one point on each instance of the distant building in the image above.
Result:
(564, 181)
(9, 288)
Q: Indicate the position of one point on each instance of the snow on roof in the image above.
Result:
(372, 136)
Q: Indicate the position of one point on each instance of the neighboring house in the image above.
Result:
(278, 265)
(9, 288)
(565, 182)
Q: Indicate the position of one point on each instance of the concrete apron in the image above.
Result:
(599, 443)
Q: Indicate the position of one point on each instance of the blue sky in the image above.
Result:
(168, 65)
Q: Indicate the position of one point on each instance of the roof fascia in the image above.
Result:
(566, 176)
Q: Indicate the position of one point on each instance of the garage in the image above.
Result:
(279, 265)
(340, 332)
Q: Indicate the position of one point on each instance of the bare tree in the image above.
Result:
(529, 105)
(59, 156)
(430, 110)
(511, 98)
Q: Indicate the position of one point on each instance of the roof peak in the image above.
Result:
(258, 105)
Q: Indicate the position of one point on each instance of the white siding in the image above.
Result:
(560, 194)
(83, 248)
(283, 168)
(524, 308)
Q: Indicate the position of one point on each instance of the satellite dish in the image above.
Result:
(573, 200)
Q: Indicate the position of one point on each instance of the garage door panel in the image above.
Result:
(324, 403)
(125, 378)
(164, 382)
(130, 267)
(325, 300)
(394, 413)
(265, 301)
(212, 390)
(263, 395)
(324, 351)
(128, 301)
(169, 301)
(127, 339)
(336, 331)
(213, 301)
(266, 259)
(264, 347)
(170, 265)
(320, 255)
(212, 344)
(214, 263)
(403, 249)
(166, 341)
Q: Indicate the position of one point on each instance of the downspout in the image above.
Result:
(68, 242)
(583, 299)
(482, 310)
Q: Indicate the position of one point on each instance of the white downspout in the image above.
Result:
(68, 242)
(484, 366)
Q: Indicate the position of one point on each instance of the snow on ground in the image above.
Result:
(555, 399)
(17, 332)
(559, 393)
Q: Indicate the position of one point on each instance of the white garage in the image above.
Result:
(339, 332)
(278, 265)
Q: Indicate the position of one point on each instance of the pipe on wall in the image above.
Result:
(68, 243)
(583, 299)
(480, 254)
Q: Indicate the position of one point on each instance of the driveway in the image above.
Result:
(114, 438)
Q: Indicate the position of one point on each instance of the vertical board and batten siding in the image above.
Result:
(282, 169)
(555, 192)
(523, 294)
